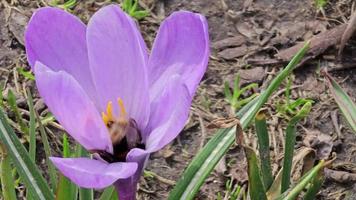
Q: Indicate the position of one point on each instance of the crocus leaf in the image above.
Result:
(11, 100)
(255, 186)
(109, 194)
(51, 170)
(206, 160)
(32, 129)
(263, 147)
(315, 186)
(7, 180)
(32, 132)
(304, 181)
(66, 189)
(346, 105)
(289, 144)
(25, 167)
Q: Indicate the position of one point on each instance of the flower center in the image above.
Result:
(124, 133)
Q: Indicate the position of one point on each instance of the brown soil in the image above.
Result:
(262, 28)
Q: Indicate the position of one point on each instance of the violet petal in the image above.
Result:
(170, 110)
(126, 188)
(72, 107)
(117, 56)
(89, 173)
(57, 39)
(181, 47)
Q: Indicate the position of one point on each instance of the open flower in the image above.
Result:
(110, 95)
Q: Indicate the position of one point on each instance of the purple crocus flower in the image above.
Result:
(110, 95)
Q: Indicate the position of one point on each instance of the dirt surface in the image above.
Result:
(246, 37)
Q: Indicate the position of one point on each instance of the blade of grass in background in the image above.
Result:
(11, 100)
(109, 194)
(32, 130)
(25, 167)
(66, 189)
(263, 147)
(346, 105)
(289, 145)
(51, 170)
(7, 180)
(1, 96)
(256, 188)
(32, 133)
(205, 161)
(314, 186)
(304, 181)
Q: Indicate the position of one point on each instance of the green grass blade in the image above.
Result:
(305, 180)
(66, 189)
(109, 194)
(25, 167)
(227, 92)
(205, 161)
(276, 82)
(346, 105)
(11, 100)
(32, 130)
(289, 145)
(7, 180)
(263, 144)
(51, 170)
(256, 188)
(1, 95)
(314, 187)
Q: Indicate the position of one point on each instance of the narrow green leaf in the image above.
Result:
(289, 145)
(275, 84)
(7, 180)
(32, 130)
(1, 96)
(307, 178)
(66, 189)
(263, 144)
(236, 88)
(25, 167)
(205, 161)
(51, 170)
(26, 74)
(227, 92)
(256, 188)
(346, 105)
(11, 99)
(109, 194)
(314, 186)
(140, 14)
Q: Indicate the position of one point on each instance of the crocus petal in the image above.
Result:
(57, 39)
(89, 173)
(117, 56)
(181, 47)
(169, 113)
(72, 108)
(127, 187)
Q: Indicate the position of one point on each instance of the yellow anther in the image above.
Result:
(108, 116)
(105, 118)
(109, 111)
(123, 113)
